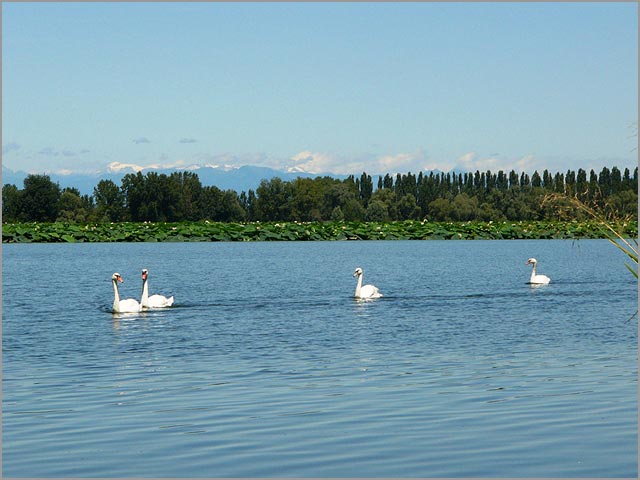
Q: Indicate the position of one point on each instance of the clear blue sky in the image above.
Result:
(324, 87)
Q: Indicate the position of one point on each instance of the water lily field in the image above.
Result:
(59, 232)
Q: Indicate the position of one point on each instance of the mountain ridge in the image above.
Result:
(225, 177)
(244, 178)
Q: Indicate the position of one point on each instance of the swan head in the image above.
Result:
(116, 277)
(145, 273)
(358, 272)
(531, 261)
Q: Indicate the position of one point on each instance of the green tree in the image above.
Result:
(604, 181)
(307, 199)
(73, 207)
(514, 183)
(133, 191)
(389, 199)
(616, 180)
(622, 205)
(109, 201)
(11, 203)
(558, 183)
(210, 203)
(464, 208)
(338, 194)
(187, 189)
(439, 210)
(376, 211)
(593, 188)
(40, 199)
(582, 186)
(230, 208)
(536, 180)
(337, 215)
(162, 198)
(247, 201)
(272, 200)
(502, 182)
(570, 182)
(547, 180)
(353, 211)
(408, 208)
(366, 188)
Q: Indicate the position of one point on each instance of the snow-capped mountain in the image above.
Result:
(225, 177)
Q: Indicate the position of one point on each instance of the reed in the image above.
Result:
(607, 223)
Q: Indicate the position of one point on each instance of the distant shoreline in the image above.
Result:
(204, 231)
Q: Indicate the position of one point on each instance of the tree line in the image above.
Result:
(180, 196)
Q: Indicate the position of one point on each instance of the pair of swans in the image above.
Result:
(131, 305)
(369, 291)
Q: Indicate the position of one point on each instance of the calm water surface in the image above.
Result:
(267, 367)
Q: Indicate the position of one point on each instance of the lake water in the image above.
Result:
(267, 367)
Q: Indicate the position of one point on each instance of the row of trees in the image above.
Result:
(435, 196)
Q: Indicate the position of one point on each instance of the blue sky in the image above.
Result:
(320, 87)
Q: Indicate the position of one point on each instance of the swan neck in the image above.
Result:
(116, 296)
(533, 272)
(145, 293)
(358, 285)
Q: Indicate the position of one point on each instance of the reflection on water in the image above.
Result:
(267, 366)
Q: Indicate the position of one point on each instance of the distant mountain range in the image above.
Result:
(224, 177)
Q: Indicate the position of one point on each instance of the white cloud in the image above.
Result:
(233, 161)
(189, 167)
(224, 167)
(526, 164)
(310, 162)
(472, 161)
(117, 166)
(401, 162)
(319, 162)
(114, 167)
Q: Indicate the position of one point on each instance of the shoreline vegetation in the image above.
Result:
(206, 231)
(438, 197)
(156, 207)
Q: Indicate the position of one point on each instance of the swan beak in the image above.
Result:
(120, 280)
(144, 276)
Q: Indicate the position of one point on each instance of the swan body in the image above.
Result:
(153, 301)
(537, 279)
(128, 305)
(366, 291)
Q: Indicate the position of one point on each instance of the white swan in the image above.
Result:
(128, 305)
(153, 301)
(367, 291)
(536, 279)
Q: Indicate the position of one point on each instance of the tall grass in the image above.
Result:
(629, 246)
